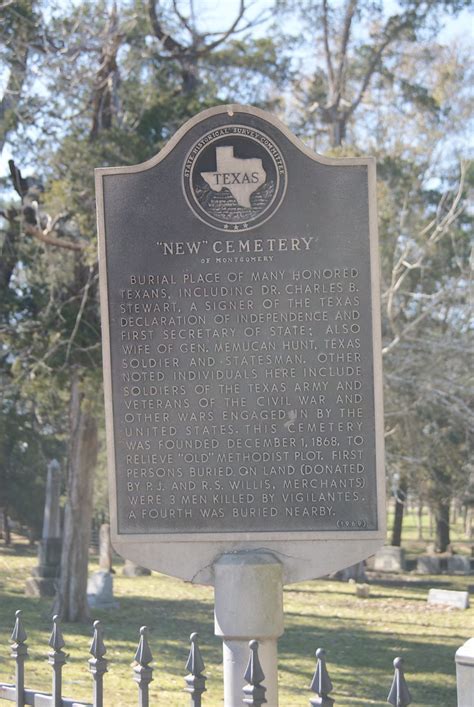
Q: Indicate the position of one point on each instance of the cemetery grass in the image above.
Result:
(361, 637)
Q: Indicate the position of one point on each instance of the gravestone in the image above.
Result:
(428, 564)
(362, 591)
(355, 573)
(446, 597)
(105, 548)
(100, 591)
(131, 569)
(242, 363)
(43, 581)
(389, 559)
(459, 564)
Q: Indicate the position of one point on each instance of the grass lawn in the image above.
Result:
(361, 637)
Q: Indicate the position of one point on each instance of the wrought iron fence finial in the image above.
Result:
(19, 634)
(56, 640)
(195, 680)
(97, 649)
(399, 695)
(254, 692)
(321, 683)
(143, 654)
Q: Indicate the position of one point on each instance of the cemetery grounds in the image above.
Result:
(361, 635)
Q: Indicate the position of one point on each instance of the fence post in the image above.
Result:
(399, 695)
(248, 587)
(20, 654)
(143, 673)
(254, 692)
(56, 659)
(98, 664)
(321, 683)
(195, 680)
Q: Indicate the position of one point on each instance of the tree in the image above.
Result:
(356, 46)
(119, 81)
(393, 92)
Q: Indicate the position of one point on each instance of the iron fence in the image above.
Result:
(253, 692)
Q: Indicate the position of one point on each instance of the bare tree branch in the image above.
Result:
(350, 10)
(85, 295)
(47, 236)
(168, 42)
(327, 49)
(231, 30)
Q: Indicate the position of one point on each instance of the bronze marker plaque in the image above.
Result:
(241, 337)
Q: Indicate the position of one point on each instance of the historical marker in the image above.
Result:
(242, 350)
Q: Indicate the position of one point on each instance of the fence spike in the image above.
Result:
(143, 674)
(254, 692)
(20, 654)
(19, 634)
(97, 649)
(195, 680)
(143, 654)
(56, 640)
(399, 694)
(98, 664)
(56, 659)
(321, 683)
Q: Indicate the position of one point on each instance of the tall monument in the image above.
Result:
(45, 575)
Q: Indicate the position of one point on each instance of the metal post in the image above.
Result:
(248, 605)
(20, 654)
(195, 680)
(98, 665)
(143, 674)
(56, 659)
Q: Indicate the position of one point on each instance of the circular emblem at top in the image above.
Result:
(234, 178)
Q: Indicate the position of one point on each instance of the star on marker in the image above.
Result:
(236, 228)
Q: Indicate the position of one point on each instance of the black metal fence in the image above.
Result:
(253, 692)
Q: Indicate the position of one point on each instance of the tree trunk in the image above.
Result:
(442, 539)
(71, 598)
(5, 526)
(400, 500)
(12, 94)
(468, 523)
(420, 520)
(337, 131)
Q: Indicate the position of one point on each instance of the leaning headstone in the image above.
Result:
(446, 597)
(105, 548)
(131, 569)
(465, 674)
(43, 581)
(389, 559)
(459, 564)
(428, 564)
(100, 591)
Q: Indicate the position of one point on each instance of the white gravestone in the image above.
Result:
(446, 597)
(465, 674)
